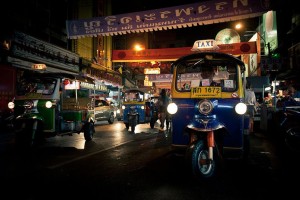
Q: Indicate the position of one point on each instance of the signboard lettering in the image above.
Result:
(172, 17)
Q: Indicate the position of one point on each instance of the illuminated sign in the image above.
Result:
(205, 45)
(39, 66)
(147, 82)
(152, 71)
(72, 86)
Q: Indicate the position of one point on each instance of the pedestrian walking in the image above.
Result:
(250, 100)
(163, 102)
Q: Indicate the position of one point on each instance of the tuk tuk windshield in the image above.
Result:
(199, 72)
(42, 86)
(134, 95)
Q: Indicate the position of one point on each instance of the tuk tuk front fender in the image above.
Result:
(30, 116)
(205, 125)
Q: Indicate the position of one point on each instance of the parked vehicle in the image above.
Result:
(287, 128)
(7, 93)
(136, 110)
(51, 104)
(119, 112)
(104, 111)
(208, 113)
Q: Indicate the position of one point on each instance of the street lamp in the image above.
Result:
(138, 47)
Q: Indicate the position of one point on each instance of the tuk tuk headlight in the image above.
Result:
(118, 111)
(172, 108)
(123, 107)
(142, 107)
(49, 104)
(241, 108)
(205, 106)
(11, 105)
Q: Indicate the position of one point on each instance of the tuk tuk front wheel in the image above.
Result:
(89, 130)
(152, 123)
(29, 134)
(132, 128)
(202, 167)
(127, 126)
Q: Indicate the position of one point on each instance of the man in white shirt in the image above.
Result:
(250, 101)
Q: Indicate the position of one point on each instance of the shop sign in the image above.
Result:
(30, 48)
(152, 71)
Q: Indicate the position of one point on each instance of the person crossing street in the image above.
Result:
(163, 102)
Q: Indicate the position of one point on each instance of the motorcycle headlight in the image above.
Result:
(48, 104)
(241, 108)
(123, 107)
(142, 107)
(118, 111)
(205, 106)
(172, 108)
(11, 105)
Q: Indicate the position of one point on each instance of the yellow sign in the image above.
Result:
(206, 92)
(152, 71)
(39, 66)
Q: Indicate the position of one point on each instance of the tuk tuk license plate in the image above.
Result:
(206, 92)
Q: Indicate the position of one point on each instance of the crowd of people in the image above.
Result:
(289, 97)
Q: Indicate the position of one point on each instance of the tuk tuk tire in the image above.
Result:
(205, 172)
(24, 137)
(111, 119)
(127, 126)
(89, 130)
(23, 140)
(152, 124)
(132, 128)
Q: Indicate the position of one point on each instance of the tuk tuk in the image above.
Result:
(51, 104)
(136, 109)
(208, 113)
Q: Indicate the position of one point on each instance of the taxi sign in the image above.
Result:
(38, 66)
(206, 92)
(208, 44)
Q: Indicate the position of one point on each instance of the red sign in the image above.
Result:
(172, 54)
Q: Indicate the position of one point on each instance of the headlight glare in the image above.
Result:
(172, 108)
(48, 104)
(241, 108)
(11, 105)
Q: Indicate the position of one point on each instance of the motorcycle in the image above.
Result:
(289, 128)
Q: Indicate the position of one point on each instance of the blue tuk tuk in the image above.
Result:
(208, 110)
(136, 109)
